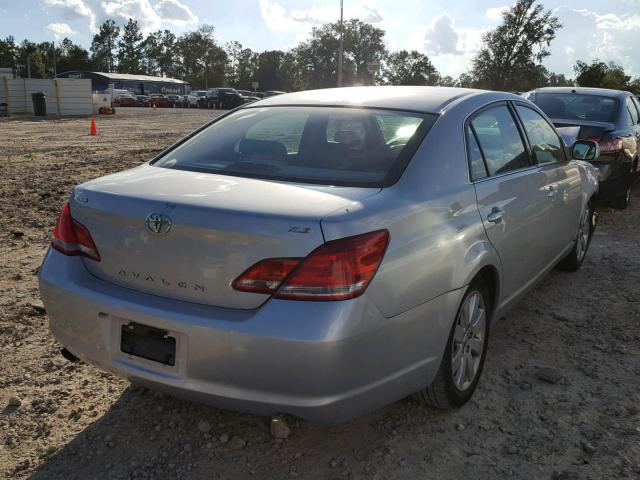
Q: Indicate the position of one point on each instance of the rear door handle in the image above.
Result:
(496, 215)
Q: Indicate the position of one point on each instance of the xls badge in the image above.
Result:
(158, 223)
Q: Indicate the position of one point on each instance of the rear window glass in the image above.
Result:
(322, 145)
(574, 106)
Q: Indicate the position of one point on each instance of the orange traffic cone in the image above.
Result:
(94, 130)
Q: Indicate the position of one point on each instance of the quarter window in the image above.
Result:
(499, 141)
(547, 146)
(476, 162)
(633, 112)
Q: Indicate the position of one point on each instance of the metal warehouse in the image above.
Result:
(138, 84)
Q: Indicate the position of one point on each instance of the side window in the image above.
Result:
(633, 112)
(499, 140)
(476, 162)
(547, 146)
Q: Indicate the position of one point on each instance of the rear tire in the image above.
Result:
(573, 261)
(464, 355)
(624, 200)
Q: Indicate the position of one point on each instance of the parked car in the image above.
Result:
(160, 101)
(322, 253)
(609, 117)
(248, 96)
(195, 96)
(175, 100)
(125, 100)
(142, 101)
(225, 98)
(272, 93)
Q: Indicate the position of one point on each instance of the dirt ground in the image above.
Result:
(60, 420)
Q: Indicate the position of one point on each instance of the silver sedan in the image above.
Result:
(321, 253)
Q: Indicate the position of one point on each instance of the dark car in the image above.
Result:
(248, 96)
(142, 101)
(160, 101)
(176, 100)
(125, 101)
(225, 98)
(609, 117)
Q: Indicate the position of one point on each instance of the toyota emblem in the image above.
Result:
(158, 223)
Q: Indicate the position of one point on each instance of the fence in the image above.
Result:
(65, 96)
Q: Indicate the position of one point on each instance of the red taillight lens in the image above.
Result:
(611, 145)
(265, 276)
(337, 270)
(73, 238)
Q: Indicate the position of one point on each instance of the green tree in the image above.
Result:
(559, 80)
(158, 54)
(103, 45)
(203, 61)
(601, 75)
(511, 53)
(30, 62)
(242, 65)
(409, 68)
(130, 51)
(317, 57)
(8, 52)
(70, 56)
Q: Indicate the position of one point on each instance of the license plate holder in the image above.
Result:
(148, 342)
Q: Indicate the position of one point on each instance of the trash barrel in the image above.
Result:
(4, 110)
(39, 100)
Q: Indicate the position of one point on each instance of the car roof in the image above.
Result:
(584, 91)
(409, 98)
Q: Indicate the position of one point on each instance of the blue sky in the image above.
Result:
(449, 32)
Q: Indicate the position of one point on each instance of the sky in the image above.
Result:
(448, 32)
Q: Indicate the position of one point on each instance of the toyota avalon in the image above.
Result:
(321, 253)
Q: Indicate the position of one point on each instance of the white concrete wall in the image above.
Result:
(71, 96)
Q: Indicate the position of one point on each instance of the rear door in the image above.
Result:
(511, 194)
(563, 180)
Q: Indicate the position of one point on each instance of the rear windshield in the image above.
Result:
(319, 145)
(574, 106)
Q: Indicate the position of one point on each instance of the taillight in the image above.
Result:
(72, 238)
(265, 276)
(337, 270)
(611, 145)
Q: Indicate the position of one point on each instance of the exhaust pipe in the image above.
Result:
(69, 356)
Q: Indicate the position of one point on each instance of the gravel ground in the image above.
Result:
(559, 398)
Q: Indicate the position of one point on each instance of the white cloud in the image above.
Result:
(175, 13)
(74, 9)
(60, 30)
(495, 13)
(140, 10)
(441, 36)
(276, 17)
(587, 35)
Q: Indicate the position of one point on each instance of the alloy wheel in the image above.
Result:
(583, 234)
(468, 340)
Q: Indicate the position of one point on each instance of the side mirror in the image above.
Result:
(585, 150)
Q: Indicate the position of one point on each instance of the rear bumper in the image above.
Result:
(324, 361)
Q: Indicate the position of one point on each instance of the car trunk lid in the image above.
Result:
(220, 226)
(572, 130)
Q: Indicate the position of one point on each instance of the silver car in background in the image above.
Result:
(321, 253)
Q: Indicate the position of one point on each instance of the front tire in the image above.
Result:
(464, 355)
(573, 261)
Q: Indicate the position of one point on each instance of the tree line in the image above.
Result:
(510, 58)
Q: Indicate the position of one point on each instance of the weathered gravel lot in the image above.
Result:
(60, 420)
